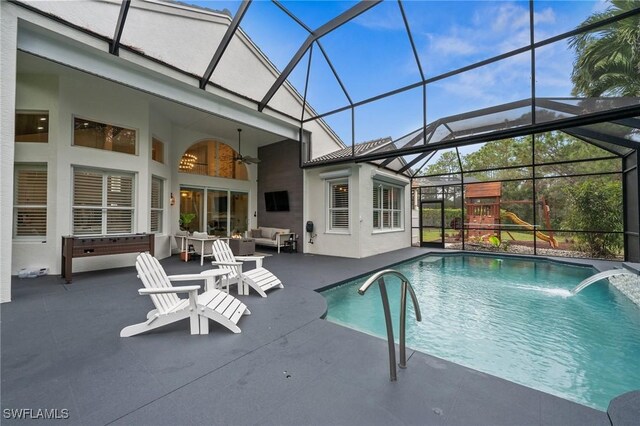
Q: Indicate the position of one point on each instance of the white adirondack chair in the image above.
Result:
(213, 304)
(260, 279)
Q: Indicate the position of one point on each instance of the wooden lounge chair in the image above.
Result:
(260, 279)
(213, 304)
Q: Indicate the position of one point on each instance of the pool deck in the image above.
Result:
(61, 349)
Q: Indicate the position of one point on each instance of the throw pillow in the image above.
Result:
(275, 235)
(256, 233)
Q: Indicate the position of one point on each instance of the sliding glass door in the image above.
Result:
(239, 212)
(223, 214)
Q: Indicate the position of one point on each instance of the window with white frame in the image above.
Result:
(102, 202)
(387, 207)
(339, 205)
(157, 204)
(108, 137)
(30, 202)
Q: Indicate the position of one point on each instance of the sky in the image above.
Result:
(372, 55)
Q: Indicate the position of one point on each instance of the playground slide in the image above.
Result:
(544, 237)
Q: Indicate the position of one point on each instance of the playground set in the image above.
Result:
(482, 203)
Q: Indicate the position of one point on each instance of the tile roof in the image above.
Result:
(360, 149)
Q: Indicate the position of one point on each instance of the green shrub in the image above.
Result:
(433, 216)
(596, 205)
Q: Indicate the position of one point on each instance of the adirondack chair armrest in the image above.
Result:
(182, 289)
(185, 277)
(227, 263)
(249, 258)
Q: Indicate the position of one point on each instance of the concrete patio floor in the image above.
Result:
(61, 350)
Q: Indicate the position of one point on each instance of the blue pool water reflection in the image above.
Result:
(512, 318)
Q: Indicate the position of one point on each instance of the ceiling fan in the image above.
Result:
(244, 158)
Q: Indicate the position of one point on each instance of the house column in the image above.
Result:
(8, 43)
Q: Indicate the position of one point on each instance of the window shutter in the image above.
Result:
(119, 221)
(395, 198)
(339, 217)
(156, 193)
(119, 191)
(30, 205)
(102, 203)
(387, 206)
(87, 188)
(156, 205)
(87, 221)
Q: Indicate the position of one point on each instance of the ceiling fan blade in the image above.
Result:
(251, 160)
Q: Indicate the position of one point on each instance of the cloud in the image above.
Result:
(381, 18)
(452, 45)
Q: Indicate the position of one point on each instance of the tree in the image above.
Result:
(608, 59)
(446, 164)
(596, 205)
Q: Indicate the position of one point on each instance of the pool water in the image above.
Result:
(513, 318)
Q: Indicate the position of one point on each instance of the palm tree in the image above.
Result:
(608, 58)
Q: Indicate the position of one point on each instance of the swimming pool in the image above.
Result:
(511, 318)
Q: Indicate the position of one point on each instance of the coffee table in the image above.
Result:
(242, 246)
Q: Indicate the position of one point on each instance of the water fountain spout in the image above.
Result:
(600, 276)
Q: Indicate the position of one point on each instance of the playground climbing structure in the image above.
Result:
(483, 203)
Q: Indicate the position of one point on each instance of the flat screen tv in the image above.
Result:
(277, 201)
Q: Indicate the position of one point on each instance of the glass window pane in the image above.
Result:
(192, 209)
(30, 222)
(211, 158)
(156, 193)
(87, 221)
(32, 126)
(157, 204)
(87, 188)
(30, 201)
(31, 186)
(108, 137)
(119, 191)
(239, 210)
(157, 150)
(119, 221)
(340, 195)
(217, 213)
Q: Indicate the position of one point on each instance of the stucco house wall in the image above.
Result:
(362, 239)
(103, 87)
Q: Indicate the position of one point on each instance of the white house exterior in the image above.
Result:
(55, 60)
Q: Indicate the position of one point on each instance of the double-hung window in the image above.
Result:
(30, 202)
(157, 204)
(387, 207)
(339, 205)
(102, 202)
